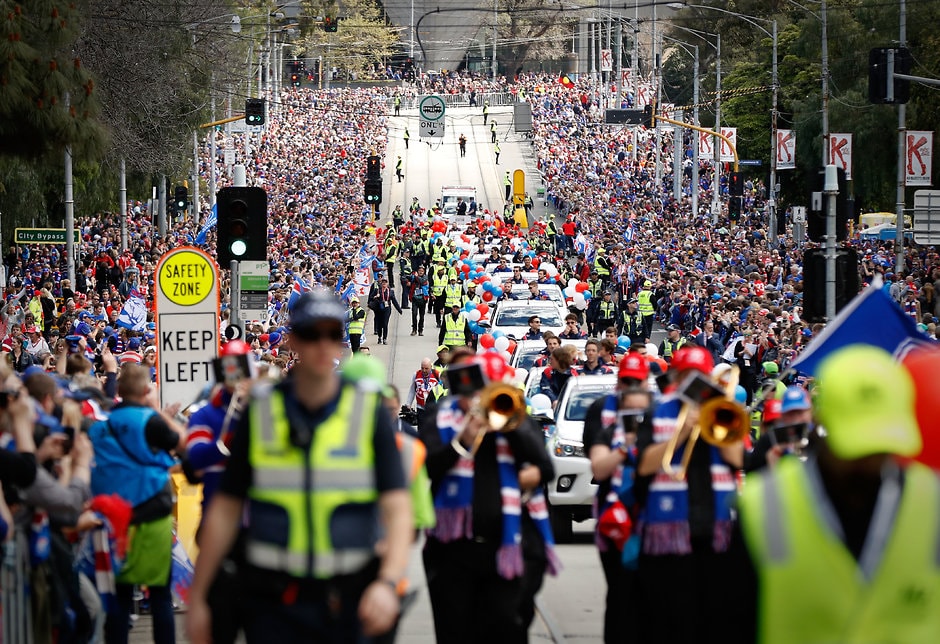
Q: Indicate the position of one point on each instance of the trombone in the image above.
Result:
(503, 407)
(722, 422)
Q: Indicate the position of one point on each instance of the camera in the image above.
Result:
(631, 419)
(5, 396)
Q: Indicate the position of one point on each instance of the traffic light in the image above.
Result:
(373, 191)
(734, 208)
(736, 185)
(878, 75)
(648, 119)
(242, 225)
(374, 167)
(254, 111)
(330, 24)
(180, 199)
(295, 79)
(816, 220)
(814, 282)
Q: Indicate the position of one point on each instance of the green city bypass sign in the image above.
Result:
(41, 236)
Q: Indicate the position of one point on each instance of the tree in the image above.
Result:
(361, 43)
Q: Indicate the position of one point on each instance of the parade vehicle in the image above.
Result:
(449, 198)
(547, 292)
(571, 493)
(512, 317)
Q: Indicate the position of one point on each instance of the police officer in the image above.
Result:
(455, 332)
(392, 253)
(399, 172)
(630, 323)
(602, 266)
(672, 343)
(606, 315)
(357, 323)
(314, 462)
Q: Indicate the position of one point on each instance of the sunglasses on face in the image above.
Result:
(318, 334)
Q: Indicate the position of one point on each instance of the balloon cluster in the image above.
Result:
(578, 293)
(499, 343)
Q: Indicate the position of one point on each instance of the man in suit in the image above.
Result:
(383, 301)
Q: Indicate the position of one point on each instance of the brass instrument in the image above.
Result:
(722, 422)
(503, 407)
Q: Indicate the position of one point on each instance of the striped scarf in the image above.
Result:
(665, 518)
(621, 481)
(453, 504)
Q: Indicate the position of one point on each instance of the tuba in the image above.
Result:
(722, 422)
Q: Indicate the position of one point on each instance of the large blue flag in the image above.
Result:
(872, 318)
(299, 288)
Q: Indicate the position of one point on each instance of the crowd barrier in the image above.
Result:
(15, 609)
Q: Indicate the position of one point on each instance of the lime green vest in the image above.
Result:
(391, 252)
(454, 331)
(606, 311)
(438, 282)
(453, 294)
(645, 301)
(358, 326)
(309, 486)
(601, 267)
(811, 587)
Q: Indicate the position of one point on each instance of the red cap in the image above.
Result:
(264, 337)
(771, 410)
(235, 348)
(693, 357)
(633, 365)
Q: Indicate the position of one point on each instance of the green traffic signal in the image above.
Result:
(254, 111)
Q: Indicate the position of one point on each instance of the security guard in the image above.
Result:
(602, 266)
(507, 182)
(551, 231)
(472, 295)
(647, 310)
(438, 282)
(407, 272)
(357, 323)
(392, 252)
(455, 332)
(406, 137)
(860, 519)
(397, 104)
(315, 464)
(399, 172)
(453, 294)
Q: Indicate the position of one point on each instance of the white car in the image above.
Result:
(548, 292)
(571, 493)
(512, 317)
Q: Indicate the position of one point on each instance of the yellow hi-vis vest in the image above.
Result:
(438, 282)
(645, 301)
(454, 330)
(601, 267)
(358, 326)
(453, 294)
(892, 594)
(295, 494)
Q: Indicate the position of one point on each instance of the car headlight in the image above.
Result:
(568, 448)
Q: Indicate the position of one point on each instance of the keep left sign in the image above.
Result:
(187, 309)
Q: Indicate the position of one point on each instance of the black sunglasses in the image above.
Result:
(315, 334)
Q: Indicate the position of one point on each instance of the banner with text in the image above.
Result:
(918, 155)
(785, 149)
(706, 146)
(840, 152)
(725, 151)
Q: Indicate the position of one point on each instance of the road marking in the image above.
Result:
(556, 633)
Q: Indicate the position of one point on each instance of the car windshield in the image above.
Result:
(526, 360)
(581, 399)
(544, 294)
(520, 317)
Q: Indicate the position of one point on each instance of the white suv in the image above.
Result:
(571, 492)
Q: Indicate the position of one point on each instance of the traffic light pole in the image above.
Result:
(234, 292)
(902, 135)
(697, 128)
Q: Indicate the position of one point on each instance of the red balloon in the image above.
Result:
(581, 287)
(487, 296)
(487, 341)
(465, 269)
(923, 365)
(512, 347)
(483, 278)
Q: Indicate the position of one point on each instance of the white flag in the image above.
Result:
(706, 145)
(919, 158)
(785, 149)
(840, 152)
(726, 153)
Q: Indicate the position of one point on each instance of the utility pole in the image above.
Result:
(902, 134)
(69, 210)
(772, 201)
(695, 93)
(825, 85)
(716, 152)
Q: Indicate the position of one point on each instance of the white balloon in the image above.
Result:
(572, 282)
(578, 299)
(473, 316)
(652, 350)
(570, 292)
(502, 344)
(551, 269)
(581, 305)
(521, 375)
(505, 354)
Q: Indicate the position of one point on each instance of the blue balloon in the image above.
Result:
(498, 291)
(623, 342)
(587, 295)
(498, 334)
(475, 328)
(469, 306)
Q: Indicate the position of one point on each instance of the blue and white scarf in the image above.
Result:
(665, 519)
(621, 481)
(453, 504)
